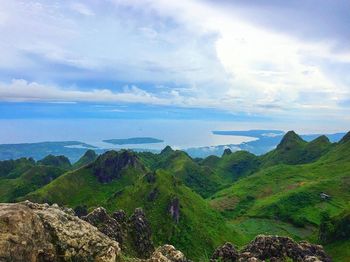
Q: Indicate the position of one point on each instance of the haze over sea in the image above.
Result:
(180, 134)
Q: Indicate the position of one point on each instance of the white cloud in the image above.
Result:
(82, 9)
(201, 54)
(20, 90)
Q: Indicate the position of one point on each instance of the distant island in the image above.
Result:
(134, 140)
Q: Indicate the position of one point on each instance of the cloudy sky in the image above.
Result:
(194, 59)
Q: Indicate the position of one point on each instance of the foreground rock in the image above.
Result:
(166, 253)
(272, 248)
(39, 232)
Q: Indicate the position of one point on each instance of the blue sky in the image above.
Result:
(267, 61)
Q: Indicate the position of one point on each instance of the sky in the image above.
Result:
(269, 61)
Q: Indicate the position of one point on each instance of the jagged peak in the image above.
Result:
(109, 165)
(345, 138)
(289, 140)
(167, 150)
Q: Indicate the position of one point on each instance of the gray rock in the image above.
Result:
(38, 232)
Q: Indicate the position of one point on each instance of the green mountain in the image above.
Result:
(57, 161)
(300, 189)
(294, 150)
(199, 178)
(89, 157)
(232, 166)
(117, 180)
(290, 199)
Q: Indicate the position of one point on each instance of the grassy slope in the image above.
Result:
(89, 157)
(290, 195)
(82, 187)
(199, 178)
(233, 166)
(30, 180)
(200, 228)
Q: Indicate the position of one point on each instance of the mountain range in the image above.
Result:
(299, 189)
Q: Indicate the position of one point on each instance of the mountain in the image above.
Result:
(14, 168)
(117, 180)
(198, 204)
(290, 199)
(94, 183)
(89, 157)
(56, 161)
(177, 214)
(232, 166)
(294, 150)
(199, 178)
(30, 180)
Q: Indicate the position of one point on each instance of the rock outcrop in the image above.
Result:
(272, 248)
(43, 233)
(167, 253)
(225, 253)
(140, 232)
(106, 224)
(133, 234)
(39, 232)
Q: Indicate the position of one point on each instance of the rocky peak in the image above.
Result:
(120, 216)
(106, 224)
(290, 140)
(110, 165)
(141, 233)
(133, 234)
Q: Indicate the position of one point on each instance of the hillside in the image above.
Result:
(26, 182)
(286, 199)
(294, 150)
(198, 204)
(119, 180)
(199, 178)
(89, 157)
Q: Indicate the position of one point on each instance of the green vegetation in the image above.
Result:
(30, 180)
(57, 161)
(300, 189)
(89, 157)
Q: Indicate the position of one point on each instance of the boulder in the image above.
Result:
(225, 253)
(39, 232)
(167, 253)
(277, 248)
